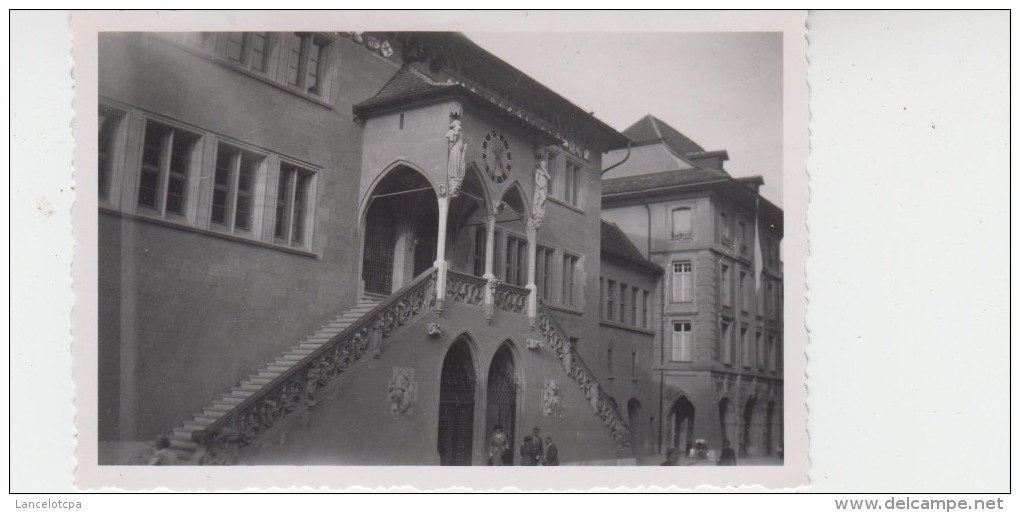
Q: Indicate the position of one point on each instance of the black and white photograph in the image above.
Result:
(399, 248)
(281, 252)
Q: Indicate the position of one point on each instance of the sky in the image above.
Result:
(722, 90)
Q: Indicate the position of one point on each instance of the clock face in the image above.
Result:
(496, 156)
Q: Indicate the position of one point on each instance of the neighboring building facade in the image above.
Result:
(358, 249)
(719, 319)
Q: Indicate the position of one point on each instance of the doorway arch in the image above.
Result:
(681, 415)
(726, 419)
(501, 398)
(456, 405)
(399, 230)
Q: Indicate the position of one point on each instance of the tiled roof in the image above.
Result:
(651, 128)
(659, 180)
(407, 81)
(616, 243)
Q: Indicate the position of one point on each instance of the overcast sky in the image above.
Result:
(723, 90)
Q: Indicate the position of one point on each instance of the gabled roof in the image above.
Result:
(406, 82)
(659, 180)
(651, 129)
(615, 243)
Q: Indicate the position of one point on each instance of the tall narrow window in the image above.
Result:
(478, 255)
(292, 204)
(543, 270)
(745, 347)
(742, 236)
(516, 260)
(683, 346)
(726, 343)
(109, 121)
(646, 317)
(166, 163)
(759, 351)
(724, 229)
(569, 280)
(745, 299)
(574, 183)
(725, 288)
(610, 300)
(623, 303)
(609, 359)
(682, 282)
(602, 298)
(682, 223)
(233, 187)
(634, 292)
(305, 62)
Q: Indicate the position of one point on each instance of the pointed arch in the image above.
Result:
(503, 390)
(457, 385)
(515, 198)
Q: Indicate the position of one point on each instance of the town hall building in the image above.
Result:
(397, 249)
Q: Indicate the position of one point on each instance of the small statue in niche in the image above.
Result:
(434, 330)
(541, 190)
(401, 391)
(550, 398)
(455, 167)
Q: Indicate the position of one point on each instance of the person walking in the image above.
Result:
(552, 456)
(727, 456)
(498, 446)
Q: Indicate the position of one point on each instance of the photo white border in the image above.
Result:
(90, 475)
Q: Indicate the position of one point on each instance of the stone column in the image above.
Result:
(440, 263)
(532, 288)
(490, 250)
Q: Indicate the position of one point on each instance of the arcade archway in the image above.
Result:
(501, 400)
(456, 405)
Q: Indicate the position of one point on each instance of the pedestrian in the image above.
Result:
(552, 456)
(536, 446)
(727, 456)
(163, 454)
(527, 452)
(498, 446)
(671, 458)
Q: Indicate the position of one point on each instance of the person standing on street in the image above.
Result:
(552, 456)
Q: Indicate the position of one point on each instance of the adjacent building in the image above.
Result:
(719, 346)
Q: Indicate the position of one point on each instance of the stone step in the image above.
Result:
(267, 374)
(183, 446)
(278, 368)
(221, 409)
(257, 381)
(290, 357)
(246, 388)
(302, 351)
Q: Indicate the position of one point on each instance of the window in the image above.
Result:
(543, 270)
(109, 123)
(233, 187)
(554, 174)
(634, 306)
(682, 282)
(760, 351)
(724, 229)
(726, 343)
(569, 282)
(742, 236)
(646, 313)
(602, 298)
(292, 205)
(166, 166)
(249, 49)
(770, 353)
(770, 304)
(478, 255)
(683, 347)
(745, 347)
(305, 62)
(573, 182)
(516, 261)
(623, 303)
(745, 298)
(682, 223)
(725, 289)
(611, 300)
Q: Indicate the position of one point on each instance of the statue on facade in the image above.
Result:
(550, 398)
(541, 190)
(455, 167)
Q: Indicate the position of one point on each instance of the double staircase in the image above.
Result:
(182, 442)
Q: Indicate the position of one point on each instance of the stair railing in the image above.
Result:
(295, 389)
(605, 409)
